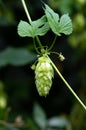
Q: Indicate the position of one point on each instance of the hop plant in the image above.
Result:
(43, 75)
(44, 71)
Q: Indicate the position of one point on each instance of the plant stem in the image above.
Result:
(26, 11)
(52, 43)
(35, 46)
(69, 87)
(38, 40)
(29, 18)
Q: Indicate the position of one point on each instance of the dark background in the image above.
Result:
(17, 84)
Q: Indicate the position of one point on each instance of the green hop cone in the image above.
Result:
(43, 76)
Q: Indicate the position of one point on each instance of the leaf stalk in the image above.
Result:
(52, 43)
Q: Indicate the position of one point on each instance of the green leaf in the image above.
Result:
(25, 29)
(58, 26)
(39, 116)
(43, 30)
(40, 22)
(39, 27)
(16, 56)
(65, 24)
(52, 18)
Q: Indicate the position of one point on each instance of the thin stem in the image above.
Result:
(35, 46)
(69, 87)
(55, 53)
(26, 11)
(52, 43)
(38, 40)
(29, 18)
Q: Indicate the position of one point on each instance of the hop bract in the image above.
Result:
(43, 75)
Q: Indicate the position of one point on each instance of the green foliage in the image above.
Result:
(6, 15)
(31, 124)
(78, 39)
(41, 26)
(2, 128)
(15, 56)
(62, 25)
(77, 112)
(38, 27)
(39, 116)
(9, 14)
(3, 97)
(79, 22)
(44, 69)
(41, 120)
(65, 6)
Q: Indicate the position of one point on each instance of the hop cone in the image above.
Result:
(43, 76)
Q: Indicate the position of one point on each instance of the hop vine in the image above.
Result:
(44, 69)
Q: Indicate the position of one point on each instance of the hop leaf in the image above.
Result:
(43, 76)
(38, 27)
(58, 25)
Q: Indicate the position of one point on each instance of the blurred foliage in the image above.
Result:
(3, 98)
(53, 123)
(78, 117)
(17, 88)
(17, 57)
(6, 14)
